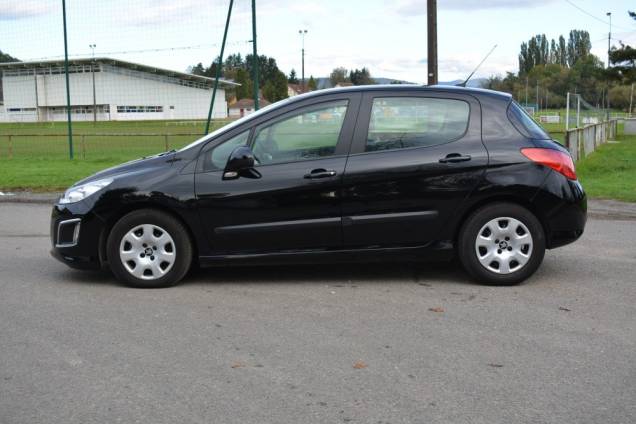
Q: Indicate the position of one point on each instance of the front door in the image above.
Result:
(292, 202)
(415, 156)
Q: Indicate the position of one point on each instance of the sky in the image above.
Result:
(386, 36)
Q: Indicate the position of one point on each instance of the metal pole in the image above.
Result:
(609, 38)
(92, 46)
(302, 33)
(526, 91)
(431, 9)
(37, 100)
(537, 109)
(255, 65)
(218, 67)
(578, 110)
(68, 90)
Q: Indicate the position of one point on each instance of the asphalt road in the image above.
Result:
(324, 344)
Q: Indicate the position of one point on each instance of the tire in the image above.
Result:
(148, 248)
(501, 244)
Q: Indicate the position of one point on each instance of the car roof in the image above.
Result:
(477, 92)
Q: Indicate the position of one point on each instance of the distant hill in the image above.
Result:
(323, 82)
(475, 82)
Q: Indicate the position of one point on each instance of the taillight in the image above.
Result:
(559, 161)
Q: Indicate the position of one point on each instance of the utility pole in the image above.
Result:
(431, 9)
(526, 91)
(609, 38)
(68, 90)
(255, 65)
(302, 33)
(537, 110)
(92, 46)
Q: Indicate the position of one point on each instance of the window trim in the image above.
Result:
(462, 135)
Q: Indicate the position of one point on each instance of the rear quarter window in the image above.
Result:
(404, 122)
(525, 124)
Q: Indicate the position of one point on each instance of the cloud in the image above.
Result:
(418, 7)
(11, 10)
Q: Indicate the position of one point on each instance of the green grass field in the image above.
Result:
(36, 157)
(610, 172)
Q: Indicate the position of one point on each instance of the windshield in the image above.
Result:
(525, 124)
(233, 125)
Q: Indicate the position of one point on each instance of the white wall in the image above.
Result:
(3, 116)
(113, 89)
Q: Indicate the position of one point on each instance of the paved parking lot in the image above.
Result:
(381, 343)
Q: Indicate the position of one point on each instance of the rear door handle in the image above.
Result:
(455, 157)
(320, 173)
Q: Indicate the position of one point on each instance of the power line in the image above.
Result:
(592, 15)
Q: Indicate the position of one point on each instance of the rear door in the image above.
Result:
(293, 201)
(415, 156)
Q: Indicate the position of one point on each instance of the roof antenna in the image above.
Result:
(463, 84)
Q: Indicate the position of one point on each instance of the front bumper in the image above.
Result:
(75, 236)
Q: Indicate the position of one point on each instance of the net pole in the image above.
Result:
(578, 111)
(218, 67)
(255, 56)
(68, 90)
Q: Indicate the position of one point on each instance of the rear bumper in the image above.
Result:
(563, 206)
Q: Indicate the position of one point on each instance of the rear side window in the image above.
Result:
(403, 122)
(525, 124)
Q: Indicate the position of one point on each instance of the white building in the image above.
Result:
(36, 91)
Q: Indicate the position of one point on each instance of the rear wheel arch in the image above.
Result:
(498, 199)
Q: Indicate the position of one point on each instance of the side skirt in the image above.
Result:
(439, 251)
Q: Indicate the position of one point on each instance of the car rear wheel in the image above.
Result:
(501, 244)
(149, 249)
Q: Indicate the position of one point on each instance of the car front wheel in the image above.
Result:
(149, 249)
(501, 244)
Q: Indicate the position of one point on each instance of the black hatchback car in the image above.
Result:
(358, 174)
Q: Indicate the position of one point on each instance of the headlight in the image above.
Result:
(81, 192)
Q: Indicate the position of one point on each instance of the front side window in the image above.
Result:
(311, 134)
(403, 122)
(216, 159)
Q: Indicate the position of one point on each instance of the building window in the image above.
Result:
(139, 109)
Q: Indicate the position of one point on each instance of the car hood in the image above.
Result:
(132, 167)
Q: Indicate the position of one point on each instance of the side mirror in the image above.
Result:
(241, 161)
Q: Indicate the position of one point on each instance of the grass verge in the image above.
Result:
(610, 172)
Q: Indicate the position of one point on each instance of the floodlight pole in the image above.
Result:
(431, 12)
(218, 67)
(302, 33)
(255, 65)
(68, 92)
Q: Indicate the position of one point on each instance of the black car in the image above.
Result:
(358, 174)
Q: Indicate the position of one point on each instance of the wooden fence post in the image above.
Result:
(166, 141)
(83, 146)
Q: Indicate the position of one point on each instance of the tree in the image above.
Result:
(312, 84)
(275, 89)
(623, 60)
(293, 78)
(579, 46)
(361, 77)
(4, 57)
(338, 75)
(245, 90)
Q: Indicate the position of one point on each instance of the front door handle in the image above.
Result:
(454, 158)
(320, 173)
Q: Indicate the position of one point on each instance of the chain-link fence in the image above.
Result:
(133, 84)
